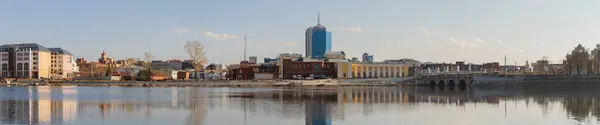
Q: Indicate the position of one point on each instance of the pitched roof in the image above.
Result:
(33, 46)
(60, 51)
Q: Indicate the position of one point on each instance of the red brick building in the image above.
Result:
(247, 70)
(291, 68)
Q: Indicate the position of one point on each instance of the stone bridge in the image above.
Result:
(446, 80)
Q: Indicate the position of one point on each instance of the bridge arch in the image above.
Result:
(451, 83)
(462, 83)
(432, 83)
(441, 83)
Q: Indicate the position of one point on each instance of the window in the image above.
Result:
(26, 66)
(34, 68)
(35, 53)
(34, 58)
(19, 66)
(5, 66)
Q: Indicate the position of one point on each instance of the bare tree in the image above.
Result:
(130, 61)
(196, 52)
(148, 56)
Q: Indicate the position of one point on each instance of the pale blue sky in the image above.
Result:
(426, 30)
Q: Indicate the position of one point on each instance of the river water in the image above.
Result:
(298, 106)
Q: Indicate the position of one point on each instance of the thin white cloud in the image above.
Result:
(479, 40)
(351, 29)
(463, 43)
(219, 36)
(180, 30)
(290, 44)
(519, 50)
(425, 30)
(499, 41)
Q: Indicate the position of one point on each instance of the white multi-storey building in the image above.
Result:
(61, 65)
(28, 60)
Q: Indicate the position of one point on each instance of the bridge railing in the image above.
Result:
(450, 74)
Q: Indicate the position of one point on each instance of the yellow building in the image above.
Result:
(359, 70)
(61, 63)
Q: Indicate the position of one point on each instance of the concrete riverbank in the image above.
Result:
(203, 84)
(218, 83)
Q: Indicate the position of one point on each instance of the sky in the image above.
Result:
(426, 30)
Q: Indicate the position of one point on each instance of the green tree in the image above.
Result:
(108, 70)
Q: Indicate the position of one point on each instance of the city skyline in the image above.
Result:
(437, 31)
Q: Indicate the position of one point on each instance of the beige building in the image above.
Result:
(27, 60)
(61, 63)
(335, 55)
(353, 70)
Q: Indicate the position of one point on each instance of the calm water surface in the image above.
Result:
(307, 106)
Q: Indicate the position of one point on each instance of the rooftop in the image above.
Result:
(60, 51)
(32, 46)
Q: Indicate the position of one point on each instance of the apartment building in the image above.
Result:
(27, 60)
(61, 65)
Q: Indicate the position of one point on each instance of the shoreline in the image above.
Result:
(200, 84)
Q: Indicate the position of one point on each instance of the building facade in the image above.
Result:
(61, 63)
(281, 57)
(28, 60)
(318, 41)
(335, 55)
(307, 68)
(541, 66)
(366, 58)
(161, 65)
(354, 70)
(405, 61)
(104, 59)
(253, 59)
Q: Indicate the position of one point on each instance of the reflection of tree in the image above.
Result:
(579, 108)
(197, 108)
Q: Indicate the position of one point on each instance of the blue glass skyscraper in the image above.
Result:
(318, 41)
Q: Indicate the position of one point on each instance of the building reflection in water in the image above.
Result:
(321, 107)
(39, 106)
(60, 105)
(317, 112)
(316, 106)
